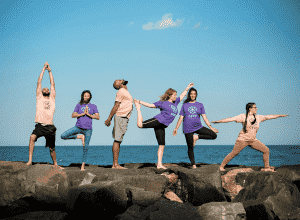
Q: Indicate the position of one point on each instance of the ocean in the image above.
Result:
(102, 155)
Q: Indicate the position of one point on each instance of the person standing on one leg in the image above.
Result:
(45, 107)
(123, 108)
(85, 112)
(168, 106)
(190, 114)
(247, 136)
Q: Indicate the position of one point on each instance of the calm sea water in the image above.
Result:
(102, 155)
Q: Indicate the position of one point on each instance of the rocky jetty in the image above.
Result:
(42, 191)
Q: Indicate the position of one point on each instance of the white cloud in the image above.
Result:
(165, 22)
(148, 26)
(131, 23)
(197, 25)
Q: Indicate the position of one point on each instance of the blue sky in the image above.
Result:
(234, 52)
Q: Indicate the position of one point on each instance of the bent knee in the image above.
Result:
(215, 136)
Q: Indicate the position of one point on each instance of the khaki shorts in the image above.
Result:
(120, 128)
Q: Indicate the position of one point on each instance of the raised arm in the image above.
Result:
(52, 88)
(147, 104)
(39, 83)
(178, 124)
(269, 117)
(185, 91)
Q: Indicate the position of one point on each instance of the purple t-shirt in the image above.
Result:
(85, 122)
(168, 111)
(191, 113)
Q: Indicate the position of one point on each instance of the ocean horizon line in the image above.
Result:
(296, 145)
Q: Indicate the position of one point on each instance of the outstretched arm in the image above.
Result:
(147, 104)
(269, 117)
(178, 124)
(185, 91)
(52, 88)
(39, 83)
(208, 124)
(224, 120)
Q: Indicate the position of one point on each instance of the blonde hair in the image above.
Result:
(167, 95)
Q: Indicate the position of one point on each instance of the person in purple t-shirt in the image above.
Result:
(168, 107)
(84, 112)
(190, 114)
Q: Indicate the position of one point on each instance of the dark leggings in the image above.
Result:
(159, 129)
(203, 133)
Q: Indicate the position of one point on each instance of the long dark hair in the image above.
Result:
(82, 96)
(167, 95)
(248, 106)
(188, 99)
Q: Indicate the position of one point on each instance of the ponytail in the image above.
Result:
(248, 106)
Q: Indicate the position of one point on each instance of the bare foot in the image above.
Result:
(161, 167)
(137, 104)
(195, 137)
(29, 163)
(118, 167)
(194, 167)
(82, 169)
(82, 137)
(222, 169)
(58, 167)
(270, 169)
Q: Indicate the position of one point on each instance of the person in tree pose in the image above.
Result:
(247, 136)
(190, 114)
(168, 107)
(45, 107)
(85, 112)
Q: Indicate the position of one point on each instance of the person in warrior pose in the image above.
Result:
(85, 112)
(168, 106)
(45, 107)
(247, 136)
(190, 114)
(123, 108)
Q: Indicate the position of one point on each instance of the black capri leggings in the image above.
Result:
(203, 133)
(159, 129)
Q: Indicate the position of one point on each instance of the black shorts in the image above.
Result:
(159, 129)
(48, 131)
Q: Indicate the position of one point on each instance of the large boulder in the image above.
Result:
(222, 210)
(229, 183)
(41, 215)
(167, 210)
(106, 198)
(154, 183)
(268, 194)
(141, 197)
(43, 182)
(203, 184)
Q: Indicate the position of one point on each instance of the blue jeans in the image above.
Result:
(72, 134)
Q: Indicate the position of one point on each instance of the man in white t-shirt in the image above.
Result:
(123, 108)
(45, 107)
